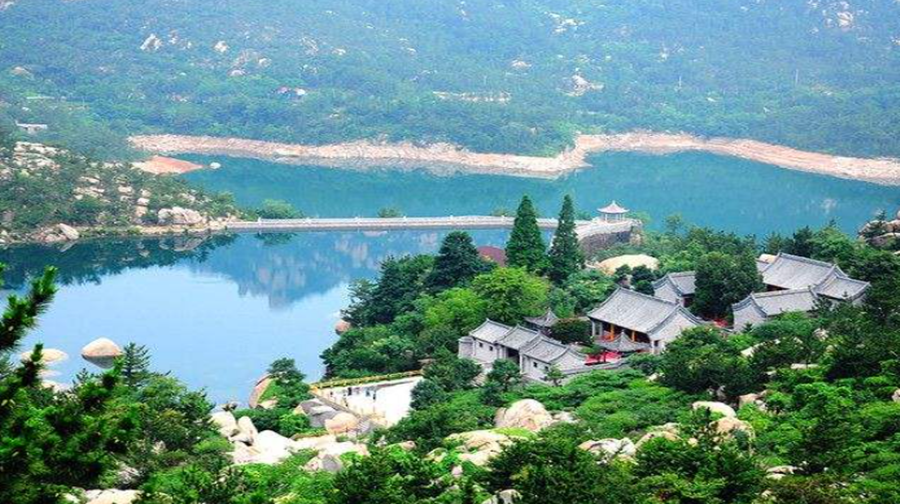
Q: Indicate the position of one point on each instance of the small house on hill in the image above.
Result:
(676, 287)
(790, 272)
(643, 319)
(533, 352)
(760, 307)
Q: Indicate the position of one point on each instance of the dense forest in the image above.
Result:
(804, 408)
(499, 75)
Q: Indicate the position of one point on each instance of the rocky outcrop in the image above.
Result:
(728, 426)
(479, 447)
(258, 390)
(329, 456)
(225, 423)
(342, 326)
(525, 414)
(342, 423)
(667, 431)
(57, 234)
(504, 497)
(111, 496)
(610, 447)
(715, 407)
(178, 216)
(101, 352)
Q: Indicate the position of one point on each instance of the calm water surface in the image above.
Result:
(215, 313)
(722, 192)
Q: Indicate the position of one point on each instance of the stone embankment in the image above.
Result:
(449, 158)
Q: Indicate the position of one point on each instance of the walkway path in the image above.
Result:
(452, 222)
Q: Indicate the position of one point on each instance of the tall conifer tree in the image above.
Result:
(457, 262)
(566, 257)
(526, 248)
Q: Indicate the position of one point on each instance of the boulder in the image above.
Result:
(258, 390)
(666, 431)
(480, 446)
(101, 352)
(305, 406)
(504, 497)
(715, 407)
(779, 472)
(800, 366)
(564, 417)
(728, 425)
(179, 216)
(747, 399)
(896, 396)
(111, 496)
(327, 463)
(320, 414)
(246, 427)
(406, 445)
(49, 356)
(58, 233)
(315, 443)
(272, 447)
(610, 447)
(243, 454)
(268, 404)
(225, 423)
(342, 423)
(526, 414)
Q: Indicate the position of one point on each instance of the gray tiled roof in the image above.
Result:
(518, 337)
(490, 331)
(842, 287)
(633, 310)
(794, 272)
(548, 319)
(783, 301)
(544, 349)
(621, 344)
(683, 282)
(571, 362)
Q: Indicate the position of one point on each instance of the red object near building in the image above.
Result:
(493, 254)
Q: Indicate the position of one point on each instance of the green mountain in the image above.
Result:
(491, 75)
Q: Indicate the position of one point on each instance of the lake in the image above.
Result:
(213, 312)
(217, 312)
(708, 190)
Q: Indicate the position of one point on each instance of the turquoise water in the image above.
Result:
(725, 193)
(217, 312)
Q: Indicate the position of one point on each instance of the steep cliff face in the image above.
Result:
(52, 195)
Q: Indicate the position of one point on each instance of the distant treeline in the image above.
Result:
(510, 75)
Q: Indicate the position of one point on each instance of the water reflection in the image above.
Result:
(215, 312)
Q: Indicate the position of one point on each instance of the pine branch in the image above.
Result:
(21, 313)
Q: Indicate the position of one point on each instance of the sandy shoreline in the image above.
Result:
(449, 158)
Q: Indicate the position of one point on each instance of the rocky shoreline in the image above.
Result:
(445, 158)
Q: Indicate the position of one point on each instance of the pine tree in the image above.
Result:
(457, 262)
(526, 248)
(566, 257)
(135, 365)
(52, 442)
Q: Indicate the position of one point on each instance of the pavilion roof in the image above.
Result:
(682, 281)
(613, 208)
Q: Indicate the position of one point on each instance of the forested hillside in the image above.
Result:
(491, 75)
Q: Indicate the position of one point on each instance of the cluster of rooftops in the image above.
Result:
(629, 321)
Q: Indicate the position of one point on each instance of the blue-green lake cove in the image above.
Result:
(215, 313)
(708, 190)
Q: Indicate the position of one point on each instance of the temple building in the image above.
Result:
(533, 352)
(790, 272)
(631, 321)
(676, 287)
(762, 306)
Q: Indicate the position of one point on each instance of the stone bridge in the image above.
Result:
(592, 234)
